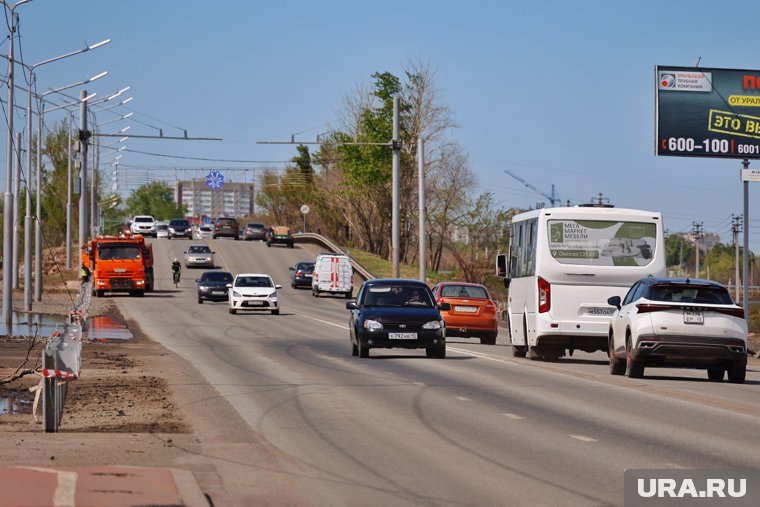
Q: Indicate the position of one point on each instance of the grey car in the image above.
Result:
(199, 256)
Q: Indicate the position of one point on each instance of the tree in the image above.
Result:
(156, 199)
(678, 250)
(476, 236)
(54, 184)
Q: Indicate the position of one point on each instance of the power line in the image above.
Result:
(209, 159)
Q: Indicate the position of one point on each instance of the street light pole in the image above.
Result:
(396, 226)
(84, 135)
(8, 196)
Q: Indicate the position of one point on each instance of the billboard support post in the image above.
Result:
(745, 264)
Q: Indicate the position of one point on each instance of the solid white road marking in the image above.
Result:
(514, 416)
(65, 491)
(339, 326)
(462, 398)
(583, 438)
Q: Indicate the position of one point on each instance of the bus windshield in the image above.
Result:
(601, 242)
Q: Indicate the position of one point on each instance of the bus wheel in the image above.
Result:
(518, 351)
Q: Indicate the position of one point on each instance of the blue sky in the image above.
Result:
(557, 92)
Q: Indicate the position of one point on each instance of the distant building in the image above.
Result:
(705, 243)
(232, 199)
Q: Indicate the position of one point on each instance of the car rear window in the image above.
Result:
(225, 221)
(690, 294)
(306, 266)
(217, 277)
(463, 291)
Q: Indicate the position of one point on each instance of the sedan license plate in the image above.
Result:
(402, 336)
(253, 303)
(465, 309)
(693, 317)
(217, 292)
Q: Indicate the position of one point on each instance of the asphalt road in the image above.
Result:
(479, 428)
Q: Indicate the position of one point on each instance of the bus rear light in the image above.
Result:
(544, 295)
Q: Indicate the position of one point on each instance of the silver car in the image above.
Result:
(199, 256)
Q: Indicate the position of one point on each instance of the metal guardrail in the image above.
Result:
(62, 362)
(311, 237)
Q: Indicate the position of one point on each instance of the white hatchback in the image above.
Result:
(678, 322)
(254, 291)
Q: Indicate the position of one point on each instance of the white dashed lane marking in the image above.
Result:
(583, 438)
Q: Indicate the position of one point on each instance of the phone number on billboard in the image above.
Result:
(689, 145)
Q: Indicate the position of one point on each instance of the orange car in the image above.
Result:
(473, 312)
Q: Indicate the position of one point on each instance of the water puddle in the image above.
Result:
(15, 403)
(102, 328)
(31, 323)
(106, 329)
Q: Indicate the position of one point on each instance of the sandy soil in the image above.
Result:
(138, 404)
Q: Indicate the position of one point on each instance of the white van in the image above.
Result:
(333, 274)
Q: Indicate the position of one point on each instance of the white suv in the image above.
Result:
(144, 224)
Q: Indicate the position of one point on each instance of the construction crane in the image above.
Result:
(553, 198)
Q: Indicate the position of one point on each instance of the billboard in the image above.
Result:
(703, 112)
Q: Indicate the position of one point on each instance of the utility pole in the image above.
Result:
(16, 212)
(697, 233)
(735, 228)
(84, 136)
(396, 228)
(421, 211)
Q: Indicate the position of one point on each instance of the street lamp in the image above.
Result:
(38, 226)
(9, 197)
(28, 218)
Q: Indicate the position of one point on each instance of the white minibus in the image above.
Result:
(564, 263)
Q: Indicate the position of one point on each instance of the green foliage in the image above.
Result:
(156, 199)
(678, 250)
(55, 184)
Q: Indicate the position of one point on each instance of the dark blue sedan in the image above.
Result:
(397, 313)
(212, 286)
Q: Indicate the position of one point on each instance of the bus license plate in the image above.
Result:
(693, 317)
(402, 336)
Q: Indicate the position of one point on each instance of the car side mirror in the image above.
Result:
(197, 280)
(506, 282)
(614, 301)
(184, 252)
(444, 306)
(291, 268)
(351, 305)
(278, 286)
(229, 285)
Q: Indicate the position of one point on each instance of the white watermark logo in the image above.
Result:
(678, 487)
(713, 488)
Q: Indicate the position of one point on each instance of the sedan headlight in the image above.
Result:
(372, 325)
(433, 324)
(236, 294)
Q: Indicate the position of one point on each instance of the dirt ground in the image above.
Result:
(119, 390)
(136, 404)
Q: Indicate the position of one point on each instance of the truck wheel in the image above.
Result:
(100, 293)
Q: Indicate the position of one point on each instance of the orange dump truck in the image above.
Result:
(119, 264)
